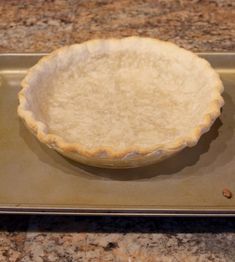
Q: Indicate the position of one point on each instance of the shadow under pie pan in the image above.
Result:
(36, 179)
(120, 103)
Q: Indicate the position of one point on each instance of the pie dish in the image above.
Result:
(120, 103)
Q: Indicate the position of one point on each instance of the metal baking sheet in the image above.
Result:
(35, 179)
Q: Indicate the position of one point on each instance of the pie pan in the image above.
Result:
(120, 103)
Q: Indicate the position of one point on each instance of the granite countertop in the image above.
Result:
(30, 26)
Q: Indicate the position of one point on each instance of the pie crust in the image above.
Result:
(120, 103)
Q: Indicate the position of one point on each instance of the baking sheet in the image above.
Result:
(35, 179)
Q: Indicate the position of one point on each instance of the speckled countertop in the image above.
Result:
(45, 25)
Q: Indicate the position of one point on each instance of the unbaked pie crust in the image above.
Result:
(120, 102)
